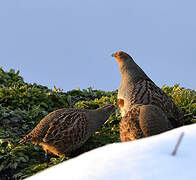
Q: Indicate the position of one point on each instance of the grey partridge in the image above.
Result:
(63, 131)
(146, 110)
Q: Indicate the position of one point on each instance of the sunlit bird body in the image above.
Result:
(146, 110)
(65, 130)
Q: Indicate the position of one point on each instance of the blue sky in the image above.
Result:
(69, 43)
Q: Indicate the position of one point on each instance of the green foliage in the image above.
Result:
(23, 105)
(185, 99)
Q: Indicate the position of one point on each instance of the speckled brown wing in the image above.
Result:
(153, 120)
(146, 92)
(68, 131)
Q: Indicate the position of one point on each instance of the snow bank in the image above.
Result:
(145, 159)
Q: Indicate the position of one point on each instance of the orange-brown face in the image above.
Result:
(120, 55)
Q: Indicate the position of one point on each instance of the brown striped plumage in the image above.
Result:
(138, 91)
(142, 121)
(65, 130)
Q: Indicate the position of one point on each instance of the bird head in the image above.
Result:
(130, 70)
(121, 57)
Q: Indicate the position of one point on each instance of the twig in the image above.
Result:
(177, 144)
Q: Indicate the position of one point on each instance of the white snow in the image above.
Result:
(146, 159)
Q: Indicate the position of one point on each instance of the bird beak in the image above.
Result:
(113, 55)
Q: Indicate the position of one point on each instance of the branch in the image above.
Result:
(177, 144)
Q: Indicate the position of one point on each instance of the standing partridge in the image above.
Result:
(65, 130)
(146, 110)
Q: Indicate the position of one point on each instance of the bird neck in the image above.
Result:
(131, 72)
(98, 119)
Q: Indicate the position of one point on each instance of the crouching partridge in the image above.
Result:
(65, 130)
(146, 110)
